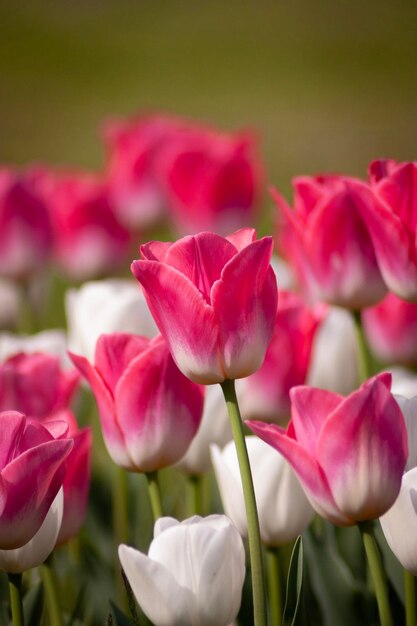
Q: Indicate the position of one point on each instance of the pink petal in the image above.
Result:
(242, 238)
(245, 303)
(12, 426)
(155, 250)
(185, 320)
(114, 352)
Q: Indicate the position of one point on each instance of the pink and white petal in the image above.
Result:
(184, 318)
(114, 352)
(242, 238)
(160, 416)
(162, 599)
(310, 408)
(363, 451)
(309, 472)
(113, 435)
(245, 304)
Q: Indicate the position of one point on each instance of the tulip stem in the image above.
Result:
(15, 591)
(274, 586)
(410, 599)
(365, 362)
(377, 572)
(194, 495)
(120, 506)
(51, 592)
(255, 547)
(154, 495)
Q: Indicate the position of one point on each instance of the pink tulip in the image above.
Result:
(349, 453)
(149, 411)
(89, 241)
(212, 179)
(214, 300)
(265, 394)
(25, 227)
(392, 224)
(76, 484)
(36, 385)
(327, 241)
(133, 148)
(32, 469)
(391, 330)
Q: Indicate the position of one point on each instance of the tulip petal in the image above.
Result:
(242, 238)
(230, 486)
(174, 301)
(363, 450)
(12, 429)
(310, 409)
(161, 597)
(114, 352)
(245, 303)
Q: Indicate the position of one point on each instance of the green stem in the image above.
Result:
(15, 591)
(365, 362)
(410, 599)
(274, 586)
(51, 592)
(255, 548)
(194, 495)
(120, 506)
(154, 495)
(377, 572)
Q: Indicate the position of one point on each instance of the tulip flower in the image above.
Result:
(265, 394)
(36, 550)
(392, 224)
(214, 300)
(404, 382)
(214, 428)
(52, 342)
(32, 468)
(399, 523)
(349, 453)
(25, 226)
(391, 330)
(327, 241)
(193, 573)
(283, 508)
(149, 410)
(103, 307)
(334, 359)
(408, 407)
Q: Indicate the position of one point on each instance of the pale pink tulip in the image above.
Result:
(214, 300)
(349, 453)
(149, 410)
(327, 241)
(32, 468)
(392, 222)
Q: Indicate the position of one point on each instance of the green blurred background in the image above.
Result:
(329, 85)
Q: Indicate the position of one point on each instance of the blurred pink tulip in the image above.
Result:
(149, 411)
(212, 179)
(392, 224)
(391, 330)
(32, 469)
(214, 300)
(349, 453)
(25, 227)
(265, 394)
(89, 240)
(327, 241)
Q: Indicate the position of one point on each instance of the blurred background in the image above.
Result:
(327, 85)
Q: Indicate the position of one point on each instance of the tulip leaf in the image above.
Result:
(294, 584)
(117, 617)
(33, 605)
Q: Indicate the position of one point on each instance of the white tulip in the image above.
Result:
(408, 407)
(399, 524)
(214, 428)
(193, 574)
(404, 382)
(334, 361)
(103, 307)
(36, 551)
(283, 509)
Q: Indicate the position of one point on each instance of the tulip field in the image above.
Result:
(208, 314)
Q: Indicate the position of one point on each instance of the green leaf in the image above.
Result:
(119, 618)
(294, 584)
(33, 605)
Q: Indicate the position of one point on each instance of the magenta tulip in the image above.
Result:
(391, 330)
(349, 453)
(32, 468)
(392, 223)
(149, 410)
(214, 300)
(327, 241)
